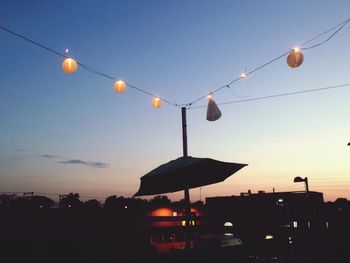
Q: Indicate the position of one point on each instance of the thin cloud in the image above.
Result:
(20, 150)
(49, 156)
(81, 162)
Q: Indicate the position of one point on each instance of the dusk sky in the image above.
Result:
(63, 133)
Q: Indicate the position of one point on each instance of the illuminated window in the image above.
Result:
(295, 224)
(229, 224)
(192, 223)
(174, 213)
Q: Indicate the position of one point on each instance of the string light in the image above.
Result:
(213, 111)
(119, 86)
(243, 75)
(294, 59)
(157, 103)
(339, 26)
(69, 65)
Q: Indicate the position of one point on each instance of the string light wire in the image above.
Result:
(189, 105)
(86, 67)
(278, 95)
(341, 25)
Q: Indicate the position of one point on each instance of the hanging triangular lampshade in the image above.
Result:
(213, 111)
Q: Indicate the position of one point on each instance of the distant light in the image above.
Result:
(327, 224)
(69, 65)
(296, 49)
(228, 235)
(295, 224)
(68, 205)
(267, 237)
(41, 206)
(229, 224)
(126, 207)
(156, 103)
(243, 75)
(210, 95)
(119, 86)
(289, 238)
(174, 213)
(67, 50)
(280, 200)
(308, 224)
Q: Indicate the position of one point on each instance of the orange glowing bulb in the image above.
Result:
(119, 86)
(157, 103)
(69, 65)
(295, 58)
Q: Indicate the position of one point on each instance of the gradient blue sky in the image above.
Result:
(72, 133)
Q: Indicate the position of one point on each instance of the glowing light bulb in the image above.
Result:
(295, 58)
(69, 65)
(119, 86)
(157, 103)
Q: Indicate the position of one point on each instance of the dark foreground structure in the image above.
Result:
(286, 226)
(262, 227)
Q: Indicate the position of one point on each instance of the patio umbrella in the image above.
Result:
(185, 173)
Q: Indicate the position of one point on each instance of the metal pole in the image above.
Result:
(306, 187)
(184, 131)
(186, 190)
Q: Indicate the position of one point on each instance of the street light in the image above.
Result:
(298, 179)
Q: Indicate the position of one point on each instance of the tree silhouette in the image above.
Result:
(39, 201)
(92, 204)
(6, 199)
(110, 202)
(160, 200)
(70, 201)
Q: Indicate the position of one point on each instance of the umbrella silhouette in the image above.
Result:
(185, 173)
